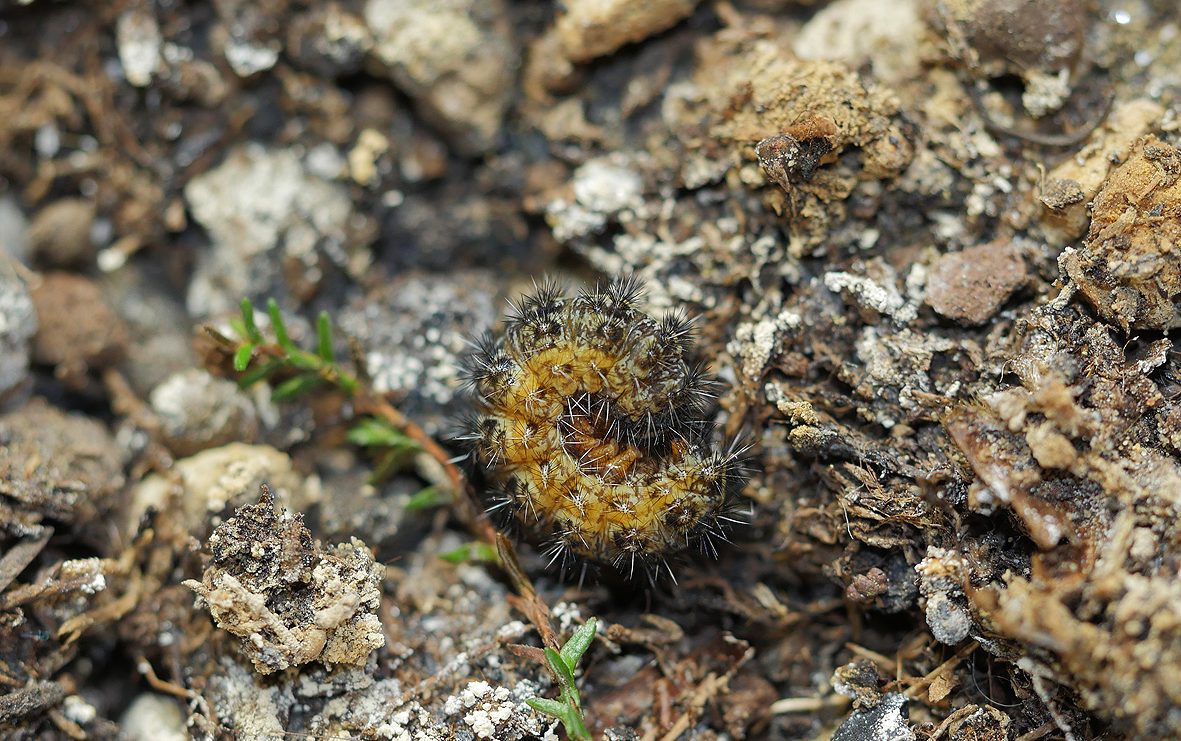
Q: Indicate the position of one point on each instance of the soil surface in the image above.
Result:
(930, 255)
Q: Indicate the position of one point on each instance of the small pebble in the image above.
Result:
(970, 286)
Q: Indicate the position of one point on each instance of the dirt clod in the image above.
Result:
(290, 600)
(1127, 267)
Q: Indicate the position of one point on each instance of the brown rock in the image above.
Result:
(970, 286)
(456, 59)
(1021, 35)
(78, 331)
(592, 28)
(60, 233)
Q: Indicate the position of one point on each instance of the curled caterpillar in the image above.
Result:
(591, 433)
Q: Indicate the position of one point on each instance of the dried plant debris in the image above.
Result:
(1081, 452)
(289, 599)
(59, 478)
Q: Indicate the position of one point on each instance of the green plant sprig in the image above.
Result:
(392, 448)
(568, 707)
(258, 357)
(473, 552)
(296, 371)
(394, 439)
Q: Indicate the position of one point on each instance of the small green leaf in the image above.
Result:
(324, 338)
(568, 707)
(252, 377)
(474, 552)
(249, 329)
(485, 553)
(303, 360)
(571, 718)
(372, 432)
(579, 642)
(242, 356)
(293, 387)
(561, 669)
(431, 496)
(575, 728)
(280, 329)
(547, 706)
(239, 328)
(347, 383)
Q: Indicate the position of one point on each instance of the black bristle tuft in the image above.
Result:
(677, 330)
(546, 299)
(625, 292)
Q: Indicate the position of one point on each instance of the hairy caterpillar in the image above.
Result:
(590, 428)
